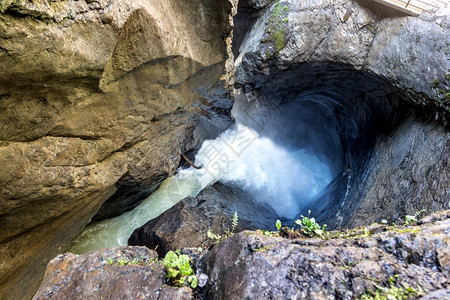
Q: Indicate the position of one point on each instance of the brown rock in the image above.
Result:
(96, 95)
(118, 273)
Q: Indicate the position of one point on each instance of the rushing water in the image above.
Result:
(287, 180)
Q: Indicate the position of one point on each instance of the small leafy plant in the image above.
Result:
(413, 219)
(213, 236)
(228, 232)
(234, 222)
(179, 271)
(309, 226)
(278, 225)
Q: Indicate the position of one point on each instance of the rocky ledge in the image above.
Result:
(407, 260)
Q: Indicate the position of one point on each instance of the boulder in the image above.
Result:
(118, 273)
(252, 265)
(186, 224)
(401, 260)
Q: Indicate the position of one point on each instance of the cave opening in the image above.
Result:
(334, 113)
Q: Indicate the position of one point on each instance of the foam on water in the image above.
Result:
(286, 180)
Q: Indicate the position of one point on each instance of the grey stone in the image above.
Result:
(186, 224)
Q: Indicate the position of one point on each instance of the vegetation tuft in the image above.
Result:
(228, 233)
(276, 30)
(179, 271)
(393, 292)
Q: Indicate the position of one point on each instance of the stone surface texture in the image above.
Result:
(98, 96)
(376, 82)
(410, 53)
(186, 224)
(117, 273)
(251, 265)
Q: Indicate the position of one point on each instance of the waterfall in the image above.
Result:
(286, 179)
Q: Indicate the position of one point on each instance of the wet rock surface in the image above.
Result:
(118, 273)
(186, 224)
(251, 265)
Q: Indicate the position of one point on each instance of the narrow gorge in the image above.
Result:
(150, 123)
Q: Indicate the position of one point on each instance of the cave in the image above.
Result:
(385, 145)
(362, 128)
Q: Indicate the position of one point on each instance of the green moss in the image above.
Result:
(393, 292)
(435, 82)
(275, 31)
(264, 249)
(406, 230)
(279, 40)
(125, 261)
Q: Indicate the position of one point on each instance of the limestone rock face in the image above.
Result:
(411, 53)
(186, 224)
(375, 82)
(97, 96)
(409, 171)
(256, 266)
(118, 273)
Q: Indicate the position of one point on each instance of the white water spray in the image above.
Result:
(286, 180)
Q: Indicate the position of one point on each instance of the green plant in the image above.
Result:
(228, 232)
(412, 219)
(278, 225)
(179, 271)
(267, 232)
(234, 222)
(310, 227)
(366, 232)
(393, 292)
(435, 82)
(213, 236)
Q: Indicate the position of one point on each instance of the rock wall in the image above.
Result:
(96, 96)
(118, 273)
(379, 82)
(251, 265)
(410, 53)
